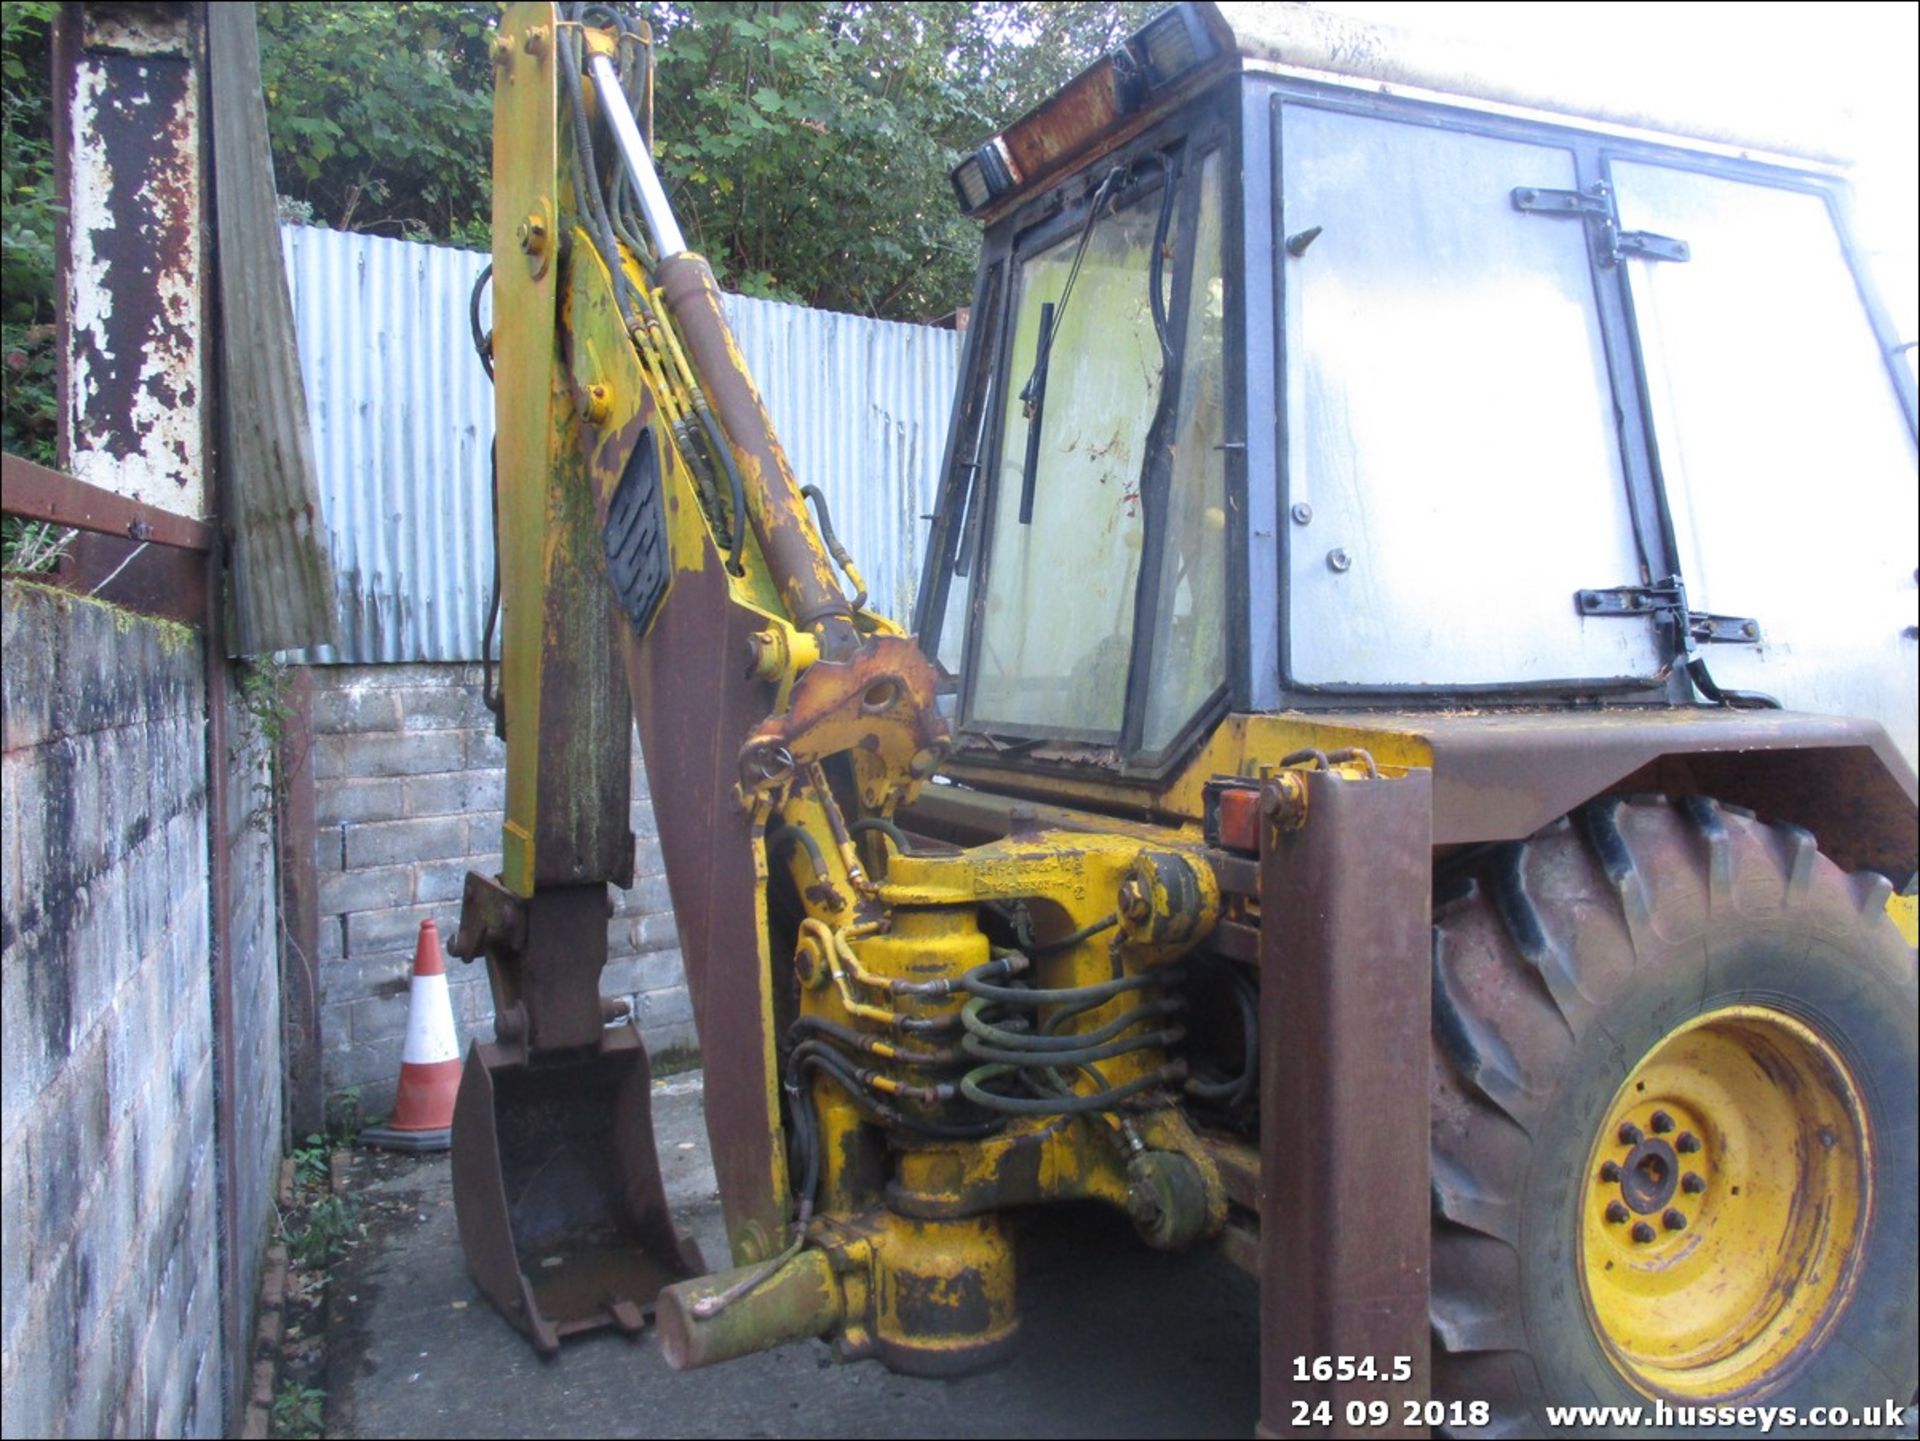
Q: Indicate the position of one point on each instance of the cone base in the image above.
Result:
(392, 1138)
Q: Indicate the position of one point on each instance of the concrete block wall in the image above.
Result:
(253, 939)
(410, 788)
(111, 1253)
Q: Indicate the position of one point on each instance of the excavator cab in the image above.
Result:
(1282, 392)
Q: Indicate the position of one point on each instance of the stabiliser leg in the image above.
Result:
(1346, 979)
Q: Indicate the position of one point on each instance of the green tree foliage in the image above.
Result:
(27, 218)
(806, 143)
(381, 114)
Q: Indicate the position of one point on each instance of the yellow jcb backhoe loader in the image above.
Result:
(1333, 805)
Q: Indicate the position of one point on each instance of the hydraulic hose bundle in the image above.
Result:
(616, 222)
(1000, 1031)
(1007, 1062)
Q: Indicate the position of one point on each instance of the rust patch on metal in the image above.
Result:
(937, 1305)
(795, 557)
(136, 274)
(1042, 139)
(694, 709)
(876, 707)
(826, 895)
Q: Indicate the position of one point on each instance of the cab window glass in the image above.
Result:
(1189, 644)
(1056, 628)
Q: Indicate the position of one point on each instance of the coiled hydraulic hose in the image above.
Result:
(814, 1056)
(1035, 1058)
(975, 983)
(1235, 1089)
(973, 1087)
(993, 1035)
(1080, 1055)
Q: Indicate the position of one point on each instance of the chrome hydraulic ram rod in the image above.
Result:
(796, 555)
(661, 226)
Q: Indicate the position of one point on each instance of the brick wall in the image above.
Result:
(409, 796)
(111, 1251)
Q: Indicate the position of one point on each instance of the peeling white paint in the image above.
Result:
(134, 33)
(88, 301)
(154, 453)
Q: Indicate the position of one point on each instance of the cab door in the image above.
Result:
(1787, 457)
(1453, 464)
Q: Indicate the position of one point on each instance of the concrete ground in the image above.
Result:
(1117, 1340)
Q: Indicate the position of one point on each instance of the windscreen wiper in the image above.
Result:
(1033, 400)
(1033, 394)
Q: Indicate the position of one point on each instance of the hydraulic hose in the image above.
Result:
(1234, 1090)
(1085, 933)
(782, 835)
(886, 828)
(981, 1050)
(975, 984)
(811, 1056)
(838, 551)
(878, 1046)
(973, 1087)
(990, 1034)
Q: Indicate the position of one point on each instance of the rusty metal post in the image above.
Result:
(130, 130)
(136, 384)
(1345, 897)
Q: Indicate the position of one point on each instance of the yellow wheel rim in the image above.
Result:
(1724, 1197)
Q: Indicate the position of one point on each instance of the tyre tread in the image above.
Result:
(1477, 1054)
(1502, 1062)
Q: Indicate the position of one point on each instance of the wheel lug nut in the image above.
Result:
(1673, 1220)
(1616, 1212)
(1642, 1232)
(1692, 1184)
(1686, 1143)
(1630, 1134)
(1609, 1170)
(1662, 1123)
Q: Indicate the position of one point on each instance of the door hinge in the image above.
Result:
(1595, 206)
(1668, 599)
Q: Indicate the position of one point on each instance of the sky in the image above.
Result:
(1846, 75)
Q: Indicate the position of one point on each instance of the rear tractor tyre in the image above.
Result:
(1674, 1135)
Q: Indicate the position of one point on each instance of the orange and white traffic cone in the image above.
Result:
(422, 1117)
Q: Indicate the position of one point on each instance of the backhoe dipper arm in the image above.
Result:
(629, 440)
(932, 1077)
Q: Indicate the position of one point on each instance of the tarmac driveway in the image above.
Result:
(1116, 1340)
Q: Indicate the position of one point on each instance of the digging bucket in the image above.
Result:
(557, 1188)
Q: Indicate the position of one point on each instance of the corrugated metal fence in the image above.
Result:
(402, 420)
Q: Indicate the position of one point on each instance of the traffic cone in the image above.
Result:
(422, 1117)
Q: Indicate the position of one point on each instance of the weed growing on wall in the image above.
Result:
(32, 547)
(265, 691)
